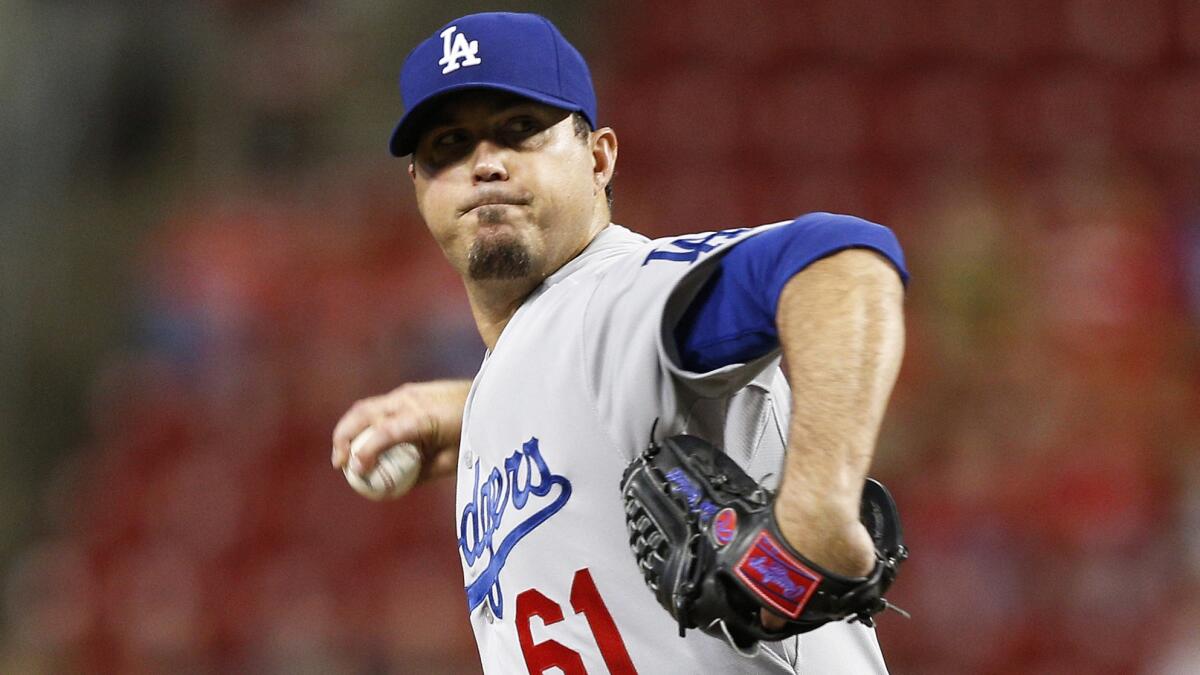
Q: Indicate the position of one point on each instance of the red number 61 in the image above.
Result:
(585, 600)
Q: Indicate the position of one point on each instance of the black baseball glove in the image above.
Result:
(705, 538)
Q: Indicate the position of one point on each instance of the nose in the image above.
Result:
(489, 163)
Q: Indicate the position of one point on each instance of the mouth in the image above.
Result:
(494, 199)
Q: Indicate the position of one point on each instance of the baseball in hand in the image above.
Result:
(394, 474)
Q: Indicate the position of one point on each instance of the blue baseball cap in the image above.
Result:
(523, 54)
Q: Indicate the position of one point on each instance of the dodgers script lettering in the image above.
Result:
(525, 485)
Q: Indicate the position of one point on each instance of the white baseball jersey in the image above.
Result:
(559, 407)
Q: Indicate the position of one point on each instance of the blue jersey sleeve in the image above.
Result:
(732, 319)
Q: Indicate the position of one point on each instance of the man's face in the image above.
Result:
(505, 185)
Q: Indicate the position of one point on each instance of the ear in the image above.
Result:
(412, 170)
(604, 156)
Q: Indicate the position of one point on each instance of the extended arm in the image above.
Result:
(827, 291)
(841, 330)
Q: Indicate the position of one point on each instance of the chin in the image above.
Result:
(499, 255)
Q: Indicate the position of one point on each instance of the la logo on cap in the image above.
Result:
(460, 49)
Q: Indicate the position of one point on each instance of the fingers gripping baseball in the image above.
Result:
(426, 414)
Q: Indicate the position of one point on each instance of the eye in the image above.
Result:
(448, 139)
(522, 124)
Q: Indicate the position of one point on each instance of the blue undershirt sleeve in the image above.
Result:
(732, 319)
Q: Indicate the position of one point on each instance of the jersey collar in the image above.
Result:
(608, 242)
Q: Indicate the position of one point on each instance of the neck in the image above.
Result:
(493, 303)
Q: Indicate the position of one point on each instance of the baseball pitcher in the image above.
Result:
(641, 488)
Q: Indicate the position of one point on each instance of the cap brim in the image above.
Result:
(407, 132)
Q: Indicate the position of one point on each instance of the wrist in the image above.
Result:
(828, 536)
(820, 507)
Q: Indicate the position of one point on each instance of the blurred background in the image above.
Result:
(206, 255)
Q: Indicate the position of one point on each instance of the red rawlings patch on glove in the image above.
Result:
(777, 577)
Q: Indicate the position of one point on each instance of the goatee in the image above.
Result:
(498, 258)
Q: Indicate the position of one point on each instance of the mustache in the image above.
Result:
(489, 197)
